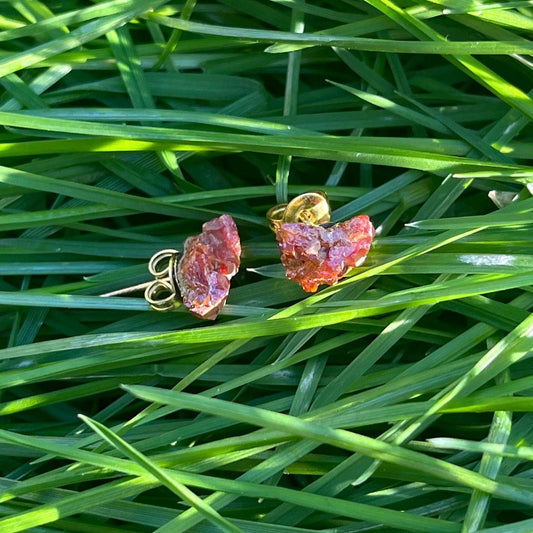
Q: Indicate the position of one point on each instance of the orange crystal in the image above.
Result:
(315, 255)
(209, 261)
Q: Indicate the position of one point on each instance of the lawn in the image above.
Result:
(399, 399)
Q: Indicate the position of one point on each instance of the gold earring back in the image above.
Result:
(161, 292)
(311, 208)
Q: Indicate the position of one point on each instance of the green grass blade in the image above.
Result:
(179, 489)
(343, 439)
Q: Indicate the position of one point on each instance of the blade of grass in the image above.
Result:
(350, 509)
(349, 43)
(77, 37)
(175, 486)
(324, 434)
(478, 505)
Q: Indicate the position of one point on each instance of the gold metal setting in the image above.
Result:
(309, 208)
(161, 292)
(275, 215)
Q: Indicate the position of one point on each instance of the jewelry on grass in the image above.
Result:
(313, 251)
(202, 275)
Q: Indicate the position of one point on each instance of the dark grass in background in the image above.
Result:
(399, 400)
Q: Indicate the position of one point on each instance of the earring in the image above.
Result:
(202, 275)
(312, 251)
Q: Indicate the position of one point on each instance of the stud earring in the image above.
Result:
(312, 251)
(202, 275)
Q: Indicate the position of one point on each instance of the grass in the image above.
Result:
(398, 400)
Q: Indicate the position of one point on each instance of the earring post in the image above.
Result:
(127, 290)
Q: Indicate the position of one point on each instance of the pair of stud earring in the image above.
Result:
(313, 252)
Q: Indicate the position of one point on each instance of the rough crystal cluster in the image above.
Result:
(315, 255)
(209, 261)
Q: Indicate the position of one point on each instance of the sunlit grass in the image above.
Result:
(398, 399)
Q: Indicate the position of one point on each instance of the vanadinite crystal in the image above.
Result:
(209, 261)
(315, 255)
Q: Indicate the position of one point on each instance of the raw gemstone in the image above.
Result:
(209, 261)
(315, 255)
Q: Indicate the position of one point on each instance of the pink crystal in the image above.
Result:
(315, 255)
(209, 261)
